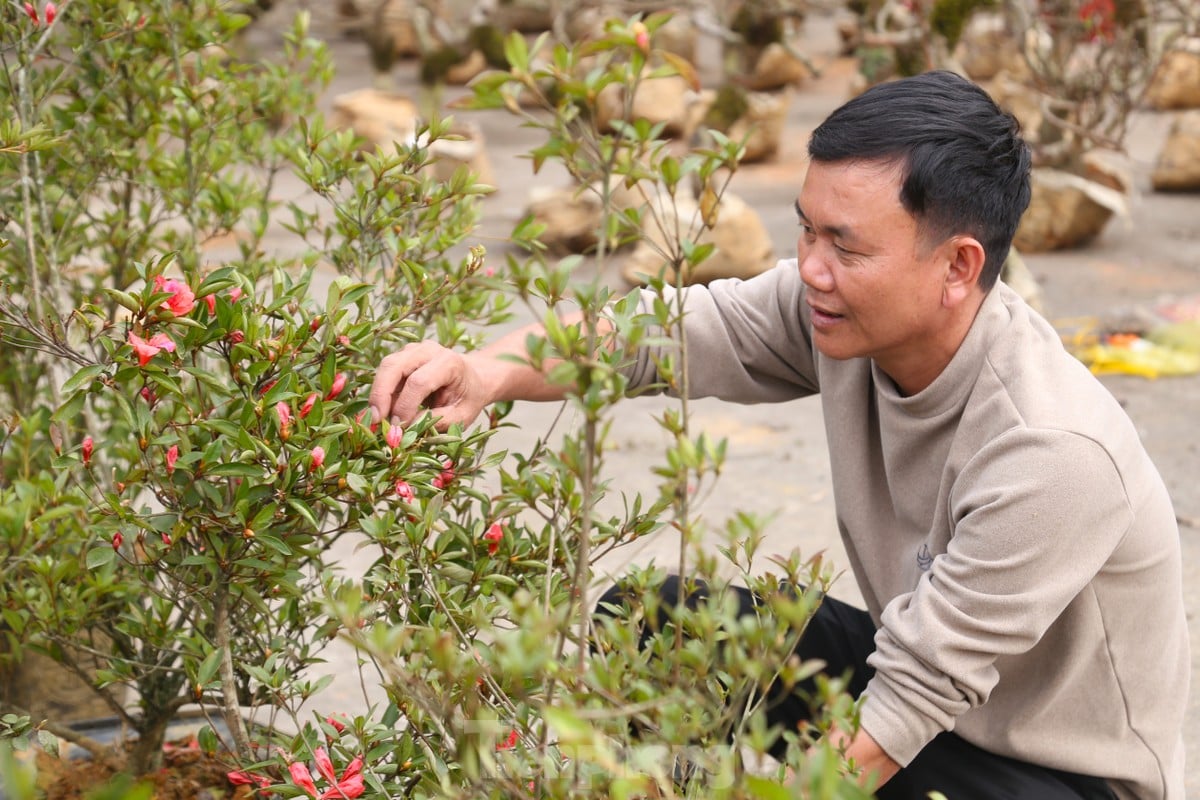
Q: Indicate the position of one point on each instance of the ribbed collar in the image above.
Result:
(950, 389)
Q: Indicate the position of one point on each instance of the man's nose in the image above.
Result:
(814, 270)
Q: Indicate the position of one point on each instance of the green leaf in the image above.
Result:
(236, 470)
(301, 508)
(82, 377)
(99, 556)
(49, 742)
(208, 667)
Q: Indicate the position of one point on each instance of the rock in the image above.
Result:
(466, 149)
(668, 100)
(776, 68)
(763, 123)
(1066, 210)
(1016, 274)
(743, 246)
(467, 70)
(379, 117)
(1109, 168)
(1175, 83)
(571, 218)
(988, 47)
(526, 16)
(1178, 167)
(1019, 100)
(395, 20)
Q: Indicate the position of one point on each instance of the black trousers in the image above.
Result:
(843, 636)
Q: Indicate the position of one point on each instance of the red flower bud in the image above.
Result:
(210, 300)
(51, 13)
(493, 536)
(339, 383)
(284, 412)
(318, 457)
(307, 405)
(394, 436)
(316, 323)
(510, 742)
(236, 337)
(172, 457)
(86, 448)
(32, 12)
(116, 540)
(404, 491)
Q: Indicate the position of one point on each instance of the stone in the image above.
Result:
(1016, 274)
(763, 124)
(467, 149)
(743, 246)
(1175, 83)
(381, 118)
(1065, 211)
(571, 217)
(1178, 166)
(1109, 168)
(987, 47)
(1018, 99)
(526, 16)
(668, 100)
(777, 67)
(466, 70)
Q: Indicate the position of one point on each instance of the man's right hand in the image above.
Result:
(426, 375)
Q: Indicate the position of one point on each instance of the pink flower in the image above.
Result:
(318, 457)
(307, 405)
(236, 337)
(246, 779)
(404, 491)
(172, 457)
(493, 536)
(235, 293)
(210, 300)
(146, 350)
(86, 448)
(394, 436)
(641, 36)
(350, 785)
(510, 742)
(51, 13)
(116, 540)
(446, 476)
(339, 383)
(302, 777)
(324, 765)
(32, 12)
(284, 412)
(343, 340)
(182, 299)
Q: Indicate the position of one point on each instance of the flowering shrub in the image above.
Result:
(189, 441)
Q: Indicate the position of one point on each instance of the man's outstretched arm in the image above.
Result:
(454, 386)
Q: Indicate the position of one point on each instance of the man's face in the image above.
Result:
(874, 285)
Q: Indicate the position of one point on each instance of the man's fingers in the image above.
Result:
(424, 384)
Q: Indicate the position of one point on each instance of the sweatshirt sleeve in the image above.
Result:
(747, 341)
(1029, 534)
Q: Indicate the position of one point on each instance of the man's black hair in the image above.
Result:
(965, 166)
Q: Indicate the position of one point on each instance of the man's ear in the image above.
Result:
(966, 256)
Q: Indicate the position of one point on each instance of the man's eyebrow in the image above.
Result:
(836, 231)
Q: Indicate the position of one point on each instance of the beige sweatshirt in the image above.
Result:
(1011, 538)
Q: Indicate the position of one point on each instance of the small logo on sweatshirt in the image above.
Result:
(924, 558)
